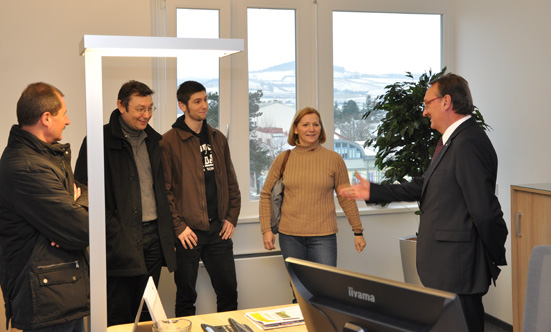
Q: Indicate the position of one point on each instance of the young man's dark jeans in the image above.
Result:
(217, 256)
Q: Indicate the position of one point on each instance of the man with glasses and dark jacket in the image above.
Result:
(140, 236)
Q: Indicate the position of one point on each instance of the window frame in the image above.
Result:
(314, 68)
(325, 31)
(223, 6)
(305, 69)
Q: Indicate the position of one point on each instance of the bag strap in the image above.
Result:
(284, 163)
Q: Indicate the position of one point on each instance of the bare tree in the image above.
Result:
(356, 130)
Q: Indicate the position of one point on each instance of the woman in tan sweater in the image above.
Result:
(308, 225)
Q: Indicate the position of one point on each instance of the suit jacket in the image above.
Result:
(462, 232)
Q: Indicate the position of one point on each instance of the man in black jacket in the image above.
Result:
(140, 235)
(43, 220)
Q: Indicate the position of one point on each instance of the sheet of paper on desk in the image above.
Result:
(271, 319)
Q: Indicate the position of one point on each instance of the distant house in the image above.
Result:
(356, 157)
(275, 138)
(273, 125)
(276, 115)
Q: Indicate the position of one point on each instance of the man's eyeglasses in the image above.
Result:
(142, 110)
(426, 103)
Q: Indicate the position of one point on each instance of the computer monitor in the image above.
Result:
(333, 299)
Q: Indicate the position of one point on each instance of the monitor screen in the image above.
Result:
(332, 299)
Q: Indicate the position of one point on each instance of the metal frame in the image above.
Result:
(93, 48)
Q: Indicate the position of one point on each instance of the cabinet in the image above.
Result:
(530, 226)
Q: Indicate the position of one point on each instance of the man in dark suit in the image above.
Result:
(462, 232)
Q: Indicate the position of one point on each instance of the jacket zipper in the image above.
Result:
(59, 264)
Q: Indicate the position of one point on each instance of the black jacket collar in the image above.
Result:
(116, 130)
(19, 136)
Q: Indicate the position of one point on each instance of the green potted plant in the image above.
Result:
(405, 143)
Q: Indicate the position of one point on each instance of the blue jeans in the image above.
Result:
(76, 325)
(318, 249)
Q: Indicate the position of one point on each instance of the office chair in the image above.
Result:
(537, 303)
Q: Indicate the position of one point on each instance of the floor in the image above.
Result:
(493, 324)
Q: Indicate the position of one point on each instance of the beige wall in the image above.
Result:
(40, 42)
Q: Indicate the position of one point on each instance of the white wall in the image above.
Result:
(40, 42)
(503, 49)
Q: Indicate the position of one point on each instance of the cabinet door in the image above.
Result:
(530, 227)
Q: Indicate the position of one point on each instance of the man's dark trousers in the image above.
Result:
(217, 256)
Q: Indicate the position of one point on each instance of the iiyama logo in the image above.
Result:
(360, 295)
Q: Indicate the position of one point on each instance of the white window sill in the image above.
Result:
(365, 210)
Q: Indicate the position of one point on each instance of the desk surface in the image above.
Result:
(220, 318)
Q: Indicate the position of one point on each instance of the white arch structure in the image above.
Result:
(94, 48)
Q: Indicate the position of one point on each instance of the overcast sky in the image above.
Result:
(371, 43)
(378, 43)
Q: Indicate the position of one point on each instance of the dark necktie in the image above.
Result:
(438, 148)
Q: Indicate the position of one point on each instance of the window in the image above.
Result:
(272, 88)
(390, 45)
(196, 66)
(332, 55)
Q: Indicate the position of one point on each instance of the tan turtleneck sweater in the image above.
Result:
(312, 175)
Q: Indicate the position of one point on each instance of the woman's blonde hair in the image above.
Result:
(293, 138)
